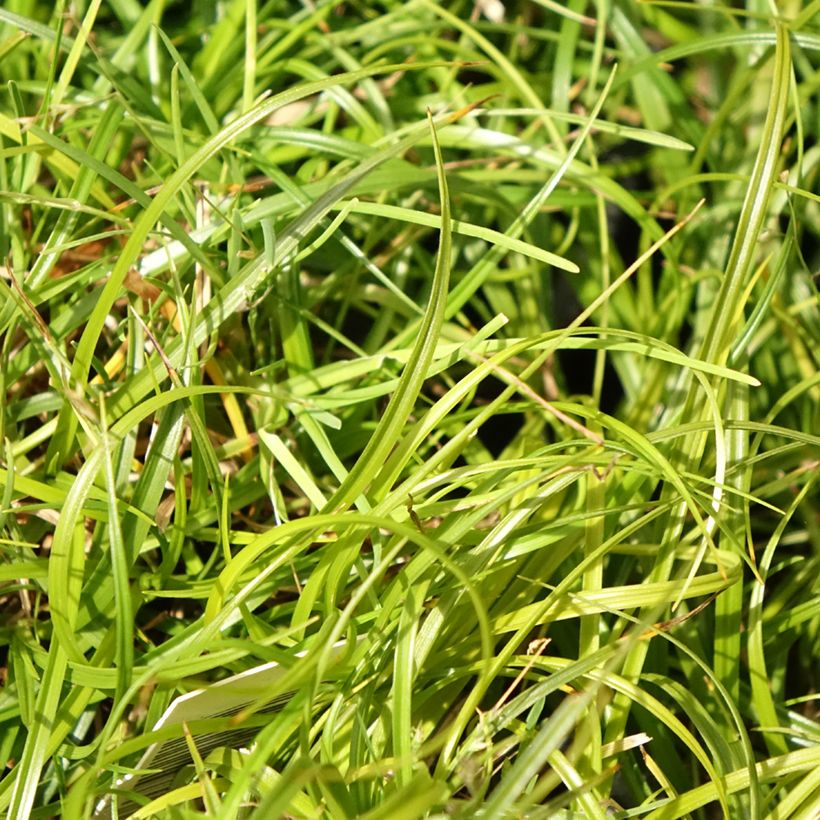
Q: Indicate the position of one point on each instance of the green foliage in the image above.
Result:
(459, 358)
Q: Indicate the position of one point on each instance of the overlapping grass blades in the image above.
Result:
(417, 350)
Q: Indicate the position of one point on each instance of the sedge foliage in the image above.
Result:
(459, 357)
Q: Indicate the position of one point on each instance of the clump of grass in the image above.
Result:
(456, 360)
